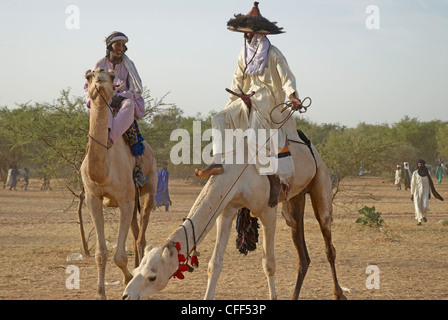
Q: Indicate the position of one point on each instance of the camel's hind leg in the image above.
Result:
(293, 211)
(138, 227)
(120, 257)
(321, 198)
(135, 232)
(146, 200)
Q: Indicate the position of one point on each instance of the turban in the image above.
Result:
(115, 36)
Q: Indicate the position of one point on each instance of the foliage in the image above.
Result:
(369, 217)
(442, 142)
(51, 138)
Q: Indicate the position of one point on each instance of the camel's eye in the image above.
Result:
(152, 278)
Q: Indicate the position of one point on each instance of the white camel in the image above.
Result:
(107, 175)
(241, 186)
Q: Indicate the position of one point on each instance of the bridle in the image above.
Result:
(183, 263)
(108, 146)
(289, 104)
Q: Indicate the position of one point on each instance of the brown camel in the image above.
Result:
(241, 186)
(107, 174)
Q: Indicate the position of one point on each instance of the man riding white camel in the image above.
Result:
(263, 72)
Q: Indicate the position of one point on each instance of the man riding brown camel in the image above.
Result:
(263, 72)
(127, 105)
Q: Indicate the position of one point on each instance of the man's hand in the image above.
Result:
(116, 102)
(296, 104)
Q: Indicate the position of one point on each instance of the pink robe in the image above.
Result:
(132, 108)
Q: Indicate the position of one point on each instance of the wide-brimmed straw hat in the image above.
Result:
(253, 22)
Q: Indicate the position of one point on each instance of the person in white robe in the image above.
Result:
(263, 72)
(421, 189)
(398, 177)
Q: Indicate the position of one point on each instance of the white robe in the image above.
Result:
(420, 189)
(398, 176)
(276, 83)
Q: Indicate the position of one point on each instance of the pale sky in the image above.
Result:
(353, 74)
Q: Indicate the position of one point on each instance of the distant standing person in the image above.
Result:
(14, 174)
(439, 173)
(162, 197)
(46, 184)
(26, 178)
(8, 178)
(421, 188)
(406, 176)
(398, 177)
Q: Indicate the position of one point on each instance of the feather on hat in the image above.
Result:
(253, 22)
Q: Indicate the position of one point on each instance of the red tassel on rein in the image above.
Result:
(195, 261)
(178, 275)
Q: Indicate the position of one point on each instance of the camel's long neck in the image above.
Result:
(98, 140)
(212, 200)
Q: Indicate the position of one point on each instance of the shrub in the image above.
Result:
(368, 216)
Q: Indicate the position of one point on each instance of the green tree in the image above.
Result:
(422, 136)
(442, 142)
(317, 133)
(347, 151)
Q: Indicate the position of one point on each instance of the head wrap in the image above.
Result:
(256, 54)
(115, 36)
(423, 172)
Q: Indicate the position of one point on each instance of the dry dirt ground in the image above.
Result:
(39, 229)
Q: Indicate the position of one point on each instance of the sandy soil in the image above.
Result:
(39, 229)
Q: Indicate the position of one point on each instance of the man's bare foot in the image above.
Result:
(210, 170)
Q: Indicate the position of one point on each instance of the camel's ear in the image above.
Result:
(148, 248)
(167, 253)
(89, 75)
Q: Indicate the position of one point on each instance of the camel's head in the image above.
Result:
(100, 81)
(153, 273)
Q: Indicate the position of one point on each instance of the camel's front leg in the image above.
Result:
(94, 205)
(223, 227)
(268, 221)
(120, 258)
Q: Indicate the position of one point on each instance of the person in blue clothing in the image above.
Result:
(162, 197)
